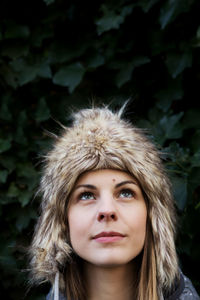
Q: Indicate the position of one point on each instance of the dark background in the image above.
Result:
(57, 56)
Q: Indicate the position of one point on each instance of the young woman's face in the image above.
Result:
(107, 217)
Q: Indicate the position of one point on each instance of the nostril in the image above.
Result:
(107, 216)
(101, 217)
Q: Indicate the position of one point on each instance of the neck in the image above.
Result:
(106, 283)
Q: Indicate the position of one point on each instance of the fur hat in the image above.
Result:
(100, 139)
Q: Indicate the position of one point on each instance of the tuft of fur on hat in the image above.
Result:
(100, 139)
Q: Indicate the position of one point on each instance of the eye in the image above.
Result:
(86, 196)
(126, 193)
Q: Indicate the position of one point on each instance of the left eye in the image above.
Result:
(86, 196)
(126, 194)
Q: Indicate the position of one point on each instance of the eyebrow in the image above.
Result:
(93, 187)
(89, 186)
(125, 182)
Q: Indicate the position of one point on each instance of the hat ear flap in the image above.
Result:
(49, 250)
(163, 230)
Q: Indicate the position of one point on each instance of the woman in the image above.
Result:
(107, 223)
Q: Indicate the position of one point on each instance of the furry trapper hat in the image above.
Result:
(100, 139)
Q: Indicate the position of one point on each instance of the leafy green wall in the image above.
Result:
(57, 55)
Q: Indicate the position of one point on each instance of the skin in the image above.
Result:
(108, 201)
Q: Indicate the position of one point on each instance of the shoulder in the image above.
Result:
(184, 290)
(189, 291)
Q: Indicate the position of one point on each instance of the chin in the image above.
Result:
(109, 258)
(111, 264)
(110, 261)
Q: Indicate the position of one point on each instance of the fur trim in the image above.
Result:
(100, 139)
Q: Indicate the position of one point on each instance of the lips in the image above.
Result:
(109, 237)
(108, 234)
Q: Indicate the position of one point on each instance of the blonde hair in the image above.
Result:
(101, 139)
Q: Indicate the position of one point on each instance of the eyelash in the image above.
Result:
(85, 193)
(127, 191)
(88, 193)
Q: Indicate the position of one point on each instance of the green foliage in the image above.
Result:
(172, 9)
(69, 76)
(112, 19)
(54, 56)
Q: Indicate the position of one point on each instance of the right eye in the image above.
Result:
(126, 193)
(86, 196)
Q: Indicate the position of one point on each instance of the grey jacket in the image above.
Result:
(184, 290)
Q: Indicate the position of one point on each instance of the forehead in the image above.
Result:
(104, 175)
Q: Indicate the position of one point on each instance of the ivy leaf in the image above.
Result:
(25, 73)
(170, 127)
(194, 179)
(49, 1)
(8, 162)
(111, 19)
(125, 73)
(3, 176)
(198, 33)
(177, 154)
(19, 136)
(195, 160)
(8, 261)
(179, 185)
(62, 53)
(26, 170)
(38, 36)
(95, 61)
(13, 190)
(44, 70)
(69, 76)
(172, 9)
(140, 60)
(25, 197)
(5, 113)
(5, 144)
(43, 112)
(16, 31)
(177, 63)
(14, 50)
(24, 218)
(146, 5)
(9, 76)
(192, 119)
(195, 140)
(8, 246)
(174, 91)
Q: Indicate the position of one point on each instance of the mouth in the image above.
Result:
(108, 237)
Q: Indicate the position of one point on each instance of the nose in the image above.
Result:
(107, 210)
(106, 216)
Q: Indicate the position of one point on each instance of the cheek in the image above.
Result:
(137, 220)
(74, 223)
(78, 225)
